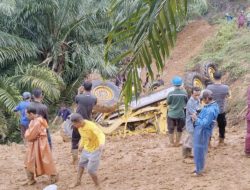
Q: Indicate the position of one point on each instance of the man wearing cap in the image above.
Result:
(176, 100)
(203, 128)
(220, 93)
(21, 107)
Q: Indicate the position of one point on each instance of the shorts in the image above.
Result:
(90, 161)
(173, 123)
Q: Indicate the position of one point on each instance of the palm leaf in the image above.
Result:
(151, 29)
(9, 94)
(7, 7)
(14, 48)
(31, 77)
(3, 125)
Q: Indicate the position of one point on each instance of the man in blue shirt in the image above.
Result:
(21, 107)
(63, 112)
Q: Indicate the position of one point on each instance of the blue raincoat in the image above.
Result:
(202, 133)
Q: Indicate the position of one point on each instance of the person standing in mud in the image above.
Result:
(85, 102)
(91, 147)
(203, 128)
(42, 109)
(247, 142)
(176, 101)
(220, 94)
(192, 109)
(38, 160)
(21, 107)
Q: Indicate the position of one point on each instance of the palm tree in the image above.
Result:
(150, 27)
(50, 44)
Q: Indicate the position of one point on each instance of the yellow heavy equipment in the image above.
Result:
(148, 113)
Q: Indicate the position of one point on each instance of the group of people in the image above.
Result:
(87, 138)
(198, 115)
(241, 20)
(36, 136)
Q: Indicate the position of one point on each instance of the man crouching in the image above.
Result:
(38, 159)
(91, 146)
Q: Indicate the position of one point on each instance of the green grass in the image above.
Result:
(229, 48)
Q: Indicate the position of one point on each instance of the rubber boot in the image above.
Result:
(178, 139)
(185, 152)
(171, 139)
(79, 178)
(74, 154)
(190, 153)
(221, 142)
(30, 178)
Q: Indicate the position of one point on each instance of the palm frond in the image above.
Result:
(7, 7)
(151, 29)
(14, 48)
(3, 125)
(9, 94)
(30, 77)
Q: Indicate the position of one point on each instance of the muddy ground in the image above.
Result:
(138, 163)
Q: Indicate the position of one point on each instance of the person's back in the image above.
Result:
(85, 103)
(64, 113)
(220, 93)
(177, 100)
(22, 107)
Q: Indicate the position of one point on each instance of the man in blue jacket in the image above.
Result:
(204, 124)
(21, 107)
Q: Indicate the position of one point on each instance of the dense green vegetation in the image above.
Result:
(55, 44)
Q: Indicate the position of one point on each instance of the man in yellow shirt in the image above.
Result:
(91, 144)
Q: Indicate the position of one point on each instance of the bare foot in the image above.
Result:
(72, 186)
(188, 161)
(29, 182)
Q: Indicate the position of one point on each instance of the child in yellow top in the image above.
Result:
(91, 144)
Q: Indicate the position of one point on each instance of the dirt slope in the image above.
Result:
(138, 163)
(189, 43)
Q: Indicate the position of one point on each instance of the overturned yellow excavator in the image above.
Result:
(148, 113)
